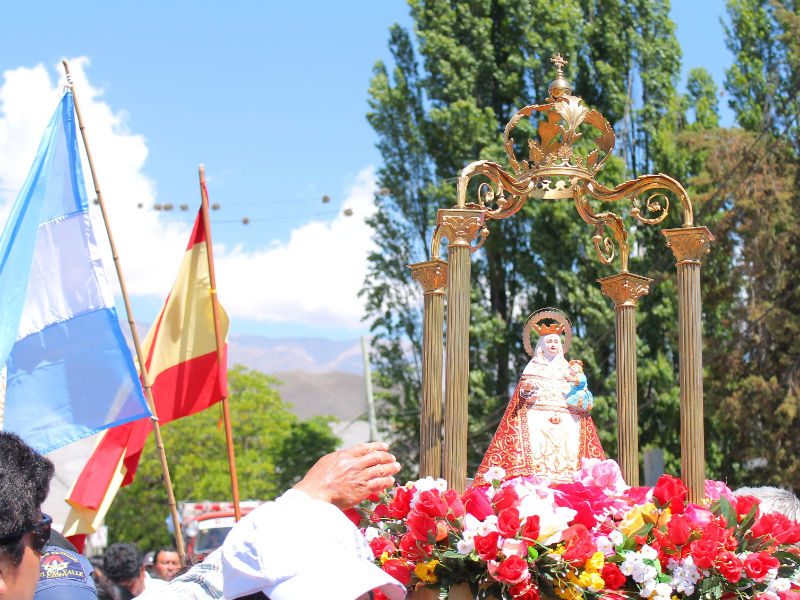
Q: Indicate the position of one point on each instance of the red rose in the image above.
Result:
(508, 522)
(505, 498)
(454, 504)
(612, 576)
(486, 545)
(512, 570)
(398, 569)
(729, 566)
(421, 525)
(477, 504)
(789, 595)
(678, 530)
(530, 529)
(401, 504)
(579, 545)
(744, 505)
(380, 544)
(785, 531)
(413, 549)
(758, 564)
(704, 551)
(432, 504)
(763, 525)
(381, 512)
(526, 590)
(671, 491)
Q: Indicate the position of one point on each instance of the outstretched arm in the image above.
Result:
(347, 477)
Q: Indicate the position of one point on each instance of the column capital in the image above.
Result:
(625, 289)
(460, 225)
(432, 276)
(688, 244)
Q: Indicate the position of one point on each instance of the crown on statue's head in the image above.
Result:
(548, 329)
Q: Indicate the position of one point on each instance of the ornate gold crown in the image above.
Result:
(548, 329)
(553, 159)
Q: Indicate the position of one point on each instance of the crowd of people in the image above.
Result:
(265, 556)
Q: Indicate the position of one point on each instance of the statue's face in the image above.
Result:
(552, 344)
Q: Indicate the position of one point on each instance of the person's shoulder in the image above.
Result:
(64, 575)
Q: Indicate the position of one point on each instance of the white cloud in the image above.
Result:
(313, 278)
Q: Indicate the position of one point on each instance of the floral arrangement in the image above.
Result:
(595, 538)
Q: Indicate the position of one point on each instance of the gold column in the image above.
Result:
(432, 276)
(460, 227)
(625, 289)
(688, 244)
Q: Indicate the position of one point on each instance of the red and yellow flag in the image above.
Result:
(186, 376)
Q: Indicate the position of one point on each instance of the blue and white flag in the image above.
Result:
(69, 372)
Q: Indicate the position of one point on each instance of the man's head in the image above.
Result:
(24, 482)
(166, 563)
(123, 564)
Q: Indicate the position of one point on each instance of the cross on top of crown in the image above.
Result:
(559, 62)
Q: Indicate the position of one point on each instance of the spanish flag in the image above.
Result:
(186, 375)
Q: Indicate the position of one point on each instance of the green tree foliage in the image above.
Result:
(273, 450)
(751, 180)
(482, 61)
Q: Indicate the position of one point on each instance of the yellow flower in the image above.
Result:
(591, 580)
(384, 557)
(425, 571)
(636, 518)
(595, 563)
(567, 592)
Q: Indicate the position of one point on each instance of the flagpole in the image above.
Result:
(226, 413)
(142, 368)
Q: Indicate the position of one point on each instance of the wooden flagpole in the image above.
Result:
(226, 413)
(140, 357)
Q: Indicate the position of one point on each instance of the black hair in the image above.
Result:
(107, 590)
(24, 482)
(122, 562)
(163, 549)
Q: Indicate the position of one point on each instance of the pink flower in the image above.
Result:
(698, 516)
(514, 547)
(714, 490)
(604, 474)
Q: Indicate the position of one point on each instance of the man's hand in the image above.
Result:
(347, 477)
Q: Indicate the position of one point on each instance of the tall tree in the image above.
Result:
(481, 61)
(755, 366)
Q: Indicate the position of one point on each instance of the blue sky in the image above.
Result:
(271, 97)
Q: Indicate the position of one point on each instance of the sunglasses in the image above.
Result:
(40, 531)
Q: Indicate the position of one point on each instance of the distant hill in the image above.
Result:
(319, 376)
(278, 355)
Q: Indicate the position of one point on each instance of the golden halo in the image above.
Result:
(546, 313)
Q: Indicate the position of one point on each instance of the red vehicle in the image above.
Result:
(206, 524)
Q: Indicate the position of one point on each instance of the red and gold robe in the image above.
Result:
(547, 438)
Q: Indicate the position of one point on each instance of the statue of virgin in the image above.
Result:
(542, 433)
